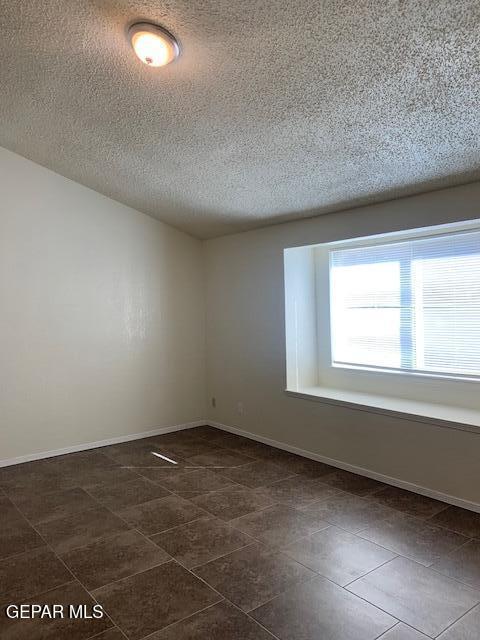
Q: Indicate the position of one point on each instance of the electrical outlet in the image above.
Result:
(214, 402)
(240, 409)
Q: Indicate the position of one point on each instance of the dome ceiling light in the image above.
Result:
(153, 44)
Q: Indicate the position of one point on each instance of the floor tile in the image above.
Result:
(80, 529)
(16, 534)
(107, 476)
(352, 483)
(254, 449)
(418, 596)
(82, 462)
(252, 575)
(199, 481)
(460, 520)
(278, 525)
(29, 573)
(298, 491)
(49, 506)
(338, 555)
(140, 453)
(113, 558)
(110, 634)
(188, 495)
(299, 464)
(257, 474)
(120, 495)
(158, 474)
(149, 601)
(159, 515)
(32, 477)
(414, 538)
(96, 472)
(6, 505)
(411, 503)
(226, 440)
(140, 456)
(402, 632)
(463, 564)
(223, 621)
(349, 512)
(185, 449)
(57, 629)
(205, 431)
(134, 445)
(233, 502)
(200, 541)
(219, 458)
(467, 628)
(319, 609)
(185, 435)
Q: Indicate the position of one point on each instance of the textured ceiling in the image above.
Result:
(275, 110)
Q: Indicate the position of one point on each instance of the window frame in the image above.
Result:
(406, 329)
(436, 400)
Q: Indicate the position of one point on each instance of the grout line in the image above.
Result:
(459, 582)
(273, 550)
(423, 566)
(368, 498)
(174, 561)
(287, 589)
(430, 521)
(359, 535)
(191, 572)
(41, 593)
(157, 533)
(380, 609)
(364, 575)
(75, 579)
(135, 573)
(384, 633)
(408, 624)
(426, 519)
(222, 555)
(115, 512)
(321, 575)
(172, 624)
(460, 618)
(232, 603)
(115, 628)
(247, 613)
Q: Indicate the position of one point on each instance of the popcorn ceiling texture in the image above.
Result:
(275, 110)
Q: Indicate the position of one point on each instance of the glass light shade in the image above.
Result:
(153, 45)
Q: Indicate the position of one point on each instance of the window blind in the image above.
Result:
(410, 305)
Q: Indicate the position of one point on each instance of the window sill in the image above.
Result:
(439, 415)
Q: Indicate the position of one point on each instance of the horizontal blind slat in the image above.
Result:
(414, 301)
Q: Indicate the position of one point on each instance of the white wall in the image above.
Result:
(102, 330)
(101, 316)
(246, 351)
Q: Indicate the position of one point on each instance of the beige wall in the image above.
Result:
(246, 352)
(102, 316)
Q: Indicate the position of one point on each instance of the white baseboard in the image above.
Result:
(396, 482)
(100, 443)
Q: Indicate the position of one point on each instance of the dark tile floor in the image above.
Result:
(237, 541)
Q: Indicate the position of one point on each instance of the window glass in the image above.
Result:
(412, 305)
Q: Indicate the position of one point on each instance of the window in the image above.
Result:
(411, 305)
(389, 323)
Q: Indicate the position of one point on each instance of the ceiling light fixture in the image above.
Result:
(153, 44)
